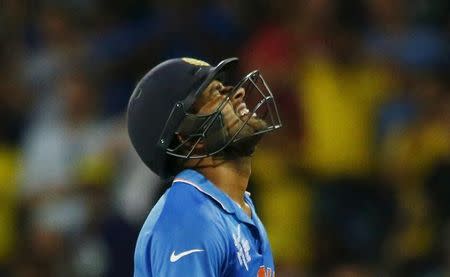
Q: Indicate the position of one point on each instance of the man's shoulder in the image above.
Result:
(185, 201)
(184, 195)
(189, 215)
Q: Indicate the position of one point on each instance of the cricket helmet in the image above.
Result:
(160, 108)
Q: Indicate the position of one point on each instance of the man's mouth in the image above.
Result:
(243, 111)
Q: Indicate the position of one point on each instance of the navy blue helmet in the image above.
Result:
(160, 108)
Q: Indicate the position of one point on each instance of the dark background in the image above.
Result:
(357, 183)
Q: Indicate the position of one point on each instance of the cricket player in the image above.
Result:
(190, 123)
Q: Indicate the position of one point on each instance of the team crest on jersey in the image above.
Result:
(242, 247)
(195, 62)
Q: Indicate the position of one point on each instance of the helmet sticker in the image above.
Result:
(195, 62)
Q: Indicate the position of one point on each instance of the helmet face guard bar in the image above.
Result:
(200, 136)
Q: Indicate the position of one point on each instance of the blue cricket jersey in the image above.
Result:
(195, 229)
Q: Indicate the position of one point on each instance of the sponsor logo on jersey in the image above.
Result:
(175, 257)
(265, 272)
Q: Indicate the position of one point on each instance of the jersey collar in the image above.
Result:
(201, 183)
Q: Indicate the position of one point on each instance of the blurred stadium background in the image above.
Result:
(357, 183)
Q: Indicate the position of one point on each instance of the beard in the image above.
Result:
(244, 144)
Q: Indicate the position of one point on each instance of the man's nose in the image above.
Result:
(239, 95)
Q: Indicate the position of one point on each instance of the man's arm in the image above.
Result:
(195, 248)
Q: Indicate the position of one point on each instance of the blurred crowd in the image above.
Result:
(357, 183)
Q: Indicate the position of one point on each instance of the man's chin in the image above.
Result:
(244, 147)
(257, 124)
(246, 142)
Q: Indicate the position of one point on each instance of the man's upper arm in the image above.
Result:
(187, 247)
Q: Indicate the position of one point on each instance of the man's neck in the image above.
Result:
(230, 176)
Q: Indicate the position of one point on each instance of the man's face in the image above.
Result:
(235, 113)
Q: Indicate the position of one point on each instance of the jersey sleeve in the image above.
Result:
(189, 238)
(194, 248)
